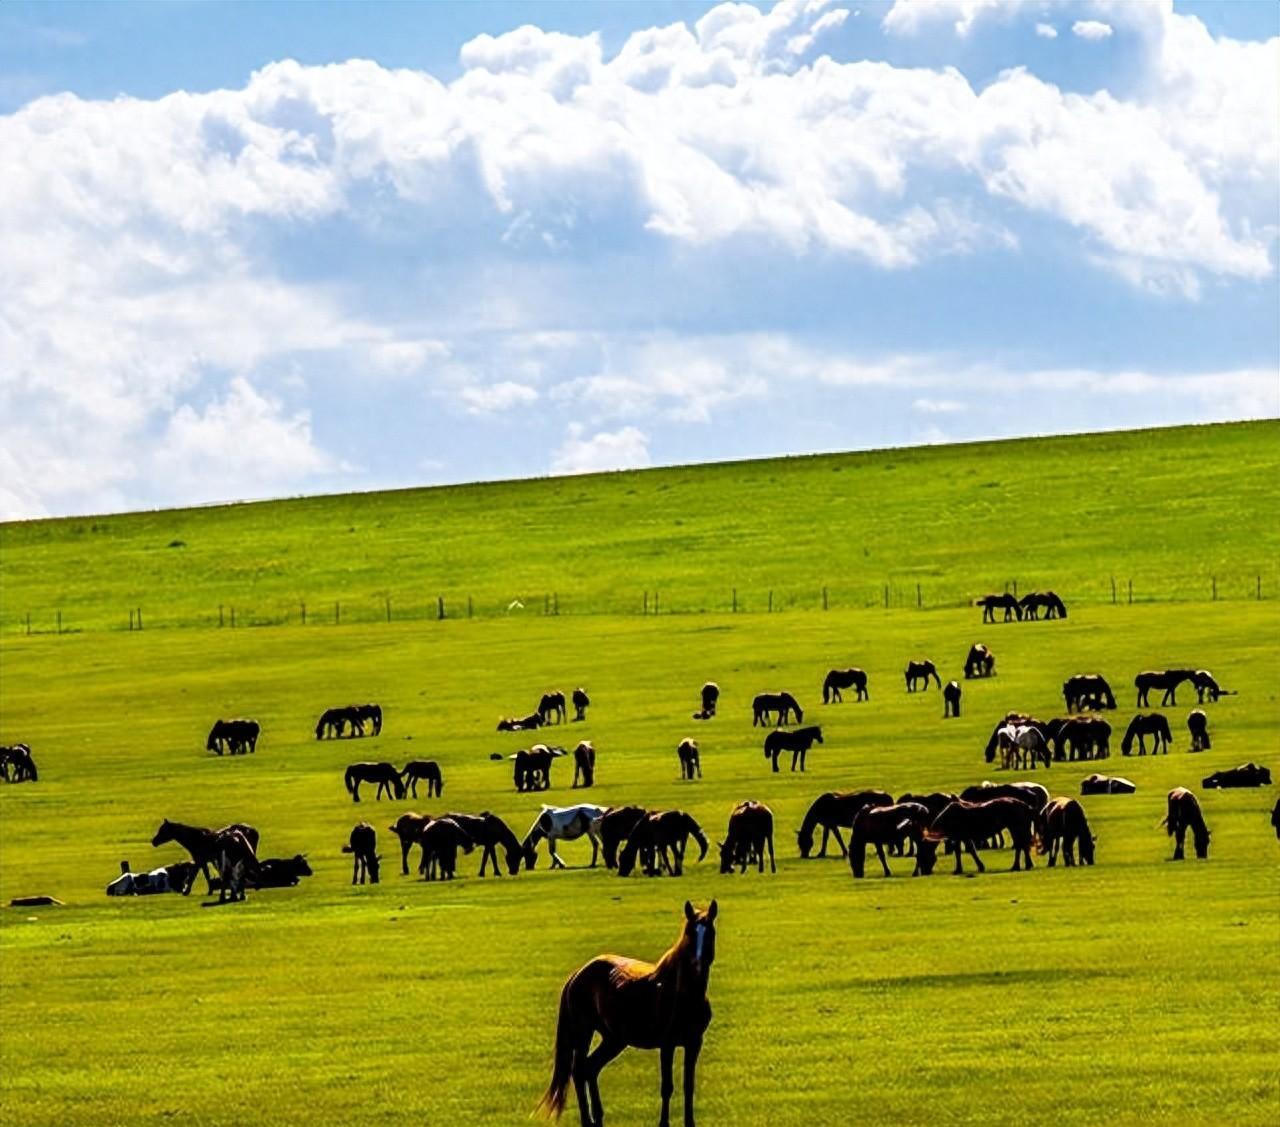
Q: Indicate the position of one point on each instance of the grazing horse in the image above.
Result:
(1246, 775)
(834, 810)
(658, 838)
(1141, 726)
(690, 762)
(767, 704)
(201, 843)
(660, 1005)
(581, 702)
(1275, 818)
(1166, 680)
(797, 742)
(963, 824)
(918, 671)
(1061, 824)
(1206, 685)
(1082, 737)
(1198, 726)
(235, 736)
(551, 708)
(364, 844)
(838, 679)
(1023, 745)
(1035, 601)
(750, 834)
(951, 699)
(427, 770)
(1016, 719)
(1184, 814)
(1031, 795)
(584, 764)
(710, 697)
(370, 714)
(333, 722)
(408, 828)
(489, 831)
(888, 825)
(18, 760)
(441, 839)
(1087, 690)
(563, 823)
(980, 662)
(615, 828)
(521, 723)
(384, 774)
(533, 767)
(1006, 602)
(1104, 784)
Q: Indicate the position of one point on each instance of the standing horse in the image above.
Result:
(533, 767)
(370, 714)
(235, 736)
(427, 770)
(951, 700)
(408, 828)
(1198, 726)
(563, 823)
(689, 759)
(1082, 737)
(1023, 745)
(1141, 726)
(489, 831)
(201, 843)
(384, 774)
(832, 811)
(1206, 686)
(615, 828)
(1006, 602)
(766, 705)
(551, 708)
(750, 834)
(627, 1002)
(888, 825)
(980, 662)
(1087, 690)
(838, 679)
(710, 697)
(1184, 814)
(17, 759)
(1063, 825)
(332, 722)
(963, 824)
(1035, 601)
(581, 702)
(441, 839)
(237, 863)
(797, 742)
(657, 839)
(363, 842)
(1167, 680)
(584, 764)
(918, 671)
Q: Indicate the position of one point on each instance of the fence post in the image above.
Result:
(919, 598)
(220, 619)
(655, 602)
(770, 602)
(303, 607)
(29, 621)
(139, 618)
(1113, 590)
(1257, 589)
(388, 600)
(233, 618)
(735, 600)
(468, 606)
(555, 603)
(1131, 592)
(131, 618)
(824, 598)
(439, 608)
(646, 604)
(886, 596)
(1215, 588)
(337, 612)
(59, 622)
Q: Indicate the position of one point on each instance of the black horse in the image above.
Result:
(918, 671)
(426, 770)
(384, 774)
(797, 742)
(838, 679)
(1006, 602)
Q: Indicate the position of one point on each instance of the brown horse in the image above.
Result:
(427, 770)
(838, 679)
(1143, 725)
(1166, 680)
(783, 705)
(951, 700)
(408, 828)
(1082, 737)
(1246, 775)
(237, 862)
(888, 825)
(1034, 602)
(1063, 825)
(1198, 726)
(441, 839)
(658, 838)
(551, 708)
(798, 742)
(615, 828)
(963, 824)
(581, 702)
(520, 723)
(363, 842)
(235, 736)
(1006, 602)
(750, 834)
(533, 767)
(1184, 814)
(630, 1003)
(1206, 685)
(833, 811)
(384, 774)
(980, 662)
(17, 765)
(922, 670)
(584, 764)
(489, 831)
(201, 843)
(690, 762)
(1087, 690)
(710, 697)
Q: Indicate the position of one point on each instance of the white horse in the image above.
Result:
(1021, 745)
(563, 823)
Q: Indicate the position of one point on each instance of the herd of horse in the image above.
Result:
(1027, 608)
(349, 721)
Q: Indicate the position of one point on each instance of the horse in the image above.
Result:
(370, 714)
(710, 697)
(235, 736)
(750, 834)
(1031, 795)
(1087, 690)
(951, 700)
(658, 838)
(551, 708)
(384, 774)
(1006, 602)
(18, 758)
(1275, 818)
(1035, 601)
(441, 838)
(423, 769)
(201, 843)
(363, 842)
(1184, 814)
(962, 824)
(533, 767)
(834, 810)
(1206, 685)
(921, 671)
(281, 872)
(838, 679)
(333, 722)
(1198, 726)
(980, 662)
(615, 828)
(520, 723)
(489, 831)
(1246, 775)
(581, 702)
(797, 742)
(169, 878)
(660, 1005)
(690, 762)
(584, 764)
(408, 828)
(888, 825)
(1143, 725)
(1061, 824)
(1023, 745)
(766, 704)
(1016, 719)
(1084, 737)
(1167, 680)
(1103, 784)
(237, 863)
(563, 823)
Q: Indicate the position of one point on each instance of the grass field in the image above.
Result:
(1137, 990)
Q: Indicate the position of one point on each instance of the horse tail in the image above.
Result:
(552, 1103)
(349, 779)
(698, 836)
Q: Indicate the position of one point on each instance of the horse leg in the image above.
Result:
(593, 1066)
(691, 1051)
(667, 1055)
(595, 847)
(973, 852)
(556, 863)
(1179, 839)
(775, 762)
(883, 863)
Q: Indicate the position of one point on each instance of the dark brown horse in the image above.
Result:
(17, 765)
(1167, 680)
(615, 828)
(1106, 784)
(951, 700)
(584, 764)
(1062, 825)
(551, 708)
(408, 828)
(1087, 690)
(781, 705)
(1082, 737)
(235, 736)
(710, 697)
(1034, 602)
(963, 824)
(839, 679)
(520, 723)
(1198, 726)
(441, 839)
(1206, 685)
(489, 831)
(630, 1003)
(237, 863)
(922, 670)
(201, 843)
(660, 840)
(1143, 725)
(980, 662)
(833, 811)
(533, 767)
(1184, 814)
(1006, 602)
(888, 825)
(363, 842)
(384, 774)
(581, 702)
(425, 770)
(690, 762)
(750, 834)
(797, 742)
(1246, 775)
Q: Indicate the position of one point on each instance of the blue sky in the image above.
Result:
(255, 250)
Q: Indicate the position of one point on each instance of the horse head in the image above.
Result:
(726, 856)
(164, 833)
(700, 932)
(804, 838)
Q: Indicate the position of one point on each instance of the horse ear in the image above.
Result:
(689, 913)
(712, 909)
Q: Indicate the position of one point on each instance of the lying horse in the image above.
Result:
(797, 742)
(280, 872)
(980, 662)
(1087, 690)
(963, 824)
(427, 770)
(1198, 726)
(833, 811)
(1167, 680)
(1246, 775)
(520, 723)
(363, 843)
(918, 671)
(384, 774)
(689, 759)
(660, 840)
(615, 828)
(581, 702)
(1063, 825)
(1006, 602)
(1141, 726)
(236, 736)
(489, 831)
(551, 708)
(563, 823)
(783, 705)
(888, 825)
(584, 764)
(201, 843)
(1102, 784)
(839, 679)
(1184, 814)
(170, 878)
(750, 834)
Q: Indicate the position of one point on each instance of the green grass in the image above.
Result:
(1134, 991)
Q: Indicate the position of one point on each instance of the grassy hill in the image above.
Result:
(1168, 509)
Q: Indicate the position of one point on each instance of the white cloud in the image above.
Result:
(1091, 29)
(907, 17)
(625, 449)
(485, 399)
(937, 406)
(1046, 31)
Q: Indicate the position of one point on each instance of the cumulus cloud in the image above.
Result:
(1091, 29)
(625, 449)
(908, 17)
(483, 399)
(1046, 31)
(937, 406)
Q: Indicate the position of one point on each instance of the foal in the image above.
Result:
(364, 844)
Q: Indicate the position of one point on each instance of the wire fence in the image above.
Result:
(387, 607)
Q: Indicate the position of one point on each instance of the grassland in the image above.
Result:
(1138, 990)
